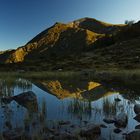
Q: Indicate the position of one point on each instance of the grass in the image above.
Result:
(109, 108)
(124, 77)
(76, 107)
(39, 75)
(79, 108)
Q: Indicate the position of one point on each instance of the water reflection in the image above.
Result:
(55, 101)
(109, 108)
(80, 108)
(8, 85)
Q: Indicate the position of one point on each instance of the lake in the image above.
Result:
(64, 106)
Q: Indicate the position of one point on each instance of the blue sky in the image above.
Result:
(21, 20)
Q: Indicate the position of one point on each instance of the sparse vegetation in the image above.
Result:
(79, 108)
(109, 108)
(127, 77)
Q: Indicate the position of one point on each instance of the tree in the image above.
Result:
(129, 22)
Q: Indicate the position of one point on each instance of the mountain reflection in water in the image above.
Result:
(77, 102)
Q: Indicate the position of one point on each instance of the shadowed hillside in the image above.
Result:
(60, 39)
(85, 43)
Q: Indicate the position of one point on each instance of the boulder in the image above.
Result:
(137, 108)
(117, 130)
(137, 118)
(28, 100)
(64, 122)
(137, 127)
(25, 99)
(134, 135)
(103, 126)
(6, 100)
(121, 120)
(63, 136)
(90, 131)
(15, 134)
(109, 120)
(8, 124)
(117, 99)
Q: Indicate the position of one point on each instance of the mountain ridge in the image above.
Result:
(66, 45)
(95, 25)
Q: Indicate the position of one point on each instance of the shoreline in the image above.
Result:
(125, 77)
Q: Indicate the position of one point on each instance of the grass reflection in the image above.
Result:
(7, 85)
(80, 108)
(109, 108)
(43, 111)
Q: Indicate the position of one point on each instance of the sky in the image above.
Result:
(21, 20)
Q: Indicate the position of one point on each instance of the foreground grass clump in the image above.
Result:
(78, 107)
(127, 77)
(40, 75)
(124, 77)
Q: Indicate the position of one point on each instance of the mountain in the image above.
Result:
(58, 39)
(89, 90)
(84, 43)
(96, 25)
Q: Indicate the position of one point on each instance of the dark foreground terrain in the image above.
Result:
(68, 105)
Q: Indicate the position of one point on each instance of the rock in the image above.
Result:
(51, 130)
(137, 127)
(137, 118)
(64, 122)
(85, 122)
(134, 135)
(109, 120)
(90, 131)
(124, 134)
(101, 138)
(103, 126)
(117, 130)
(56, 133)
(15, 134)
(3, 106)
(28, 100)
(8, 125)
(64, 136)
(6, 100)
(117, 99)
(121, 120)
(137, 108)
(25, 97)
(72, 126)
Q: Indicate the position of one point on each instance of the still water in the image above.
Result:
(62, 106)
